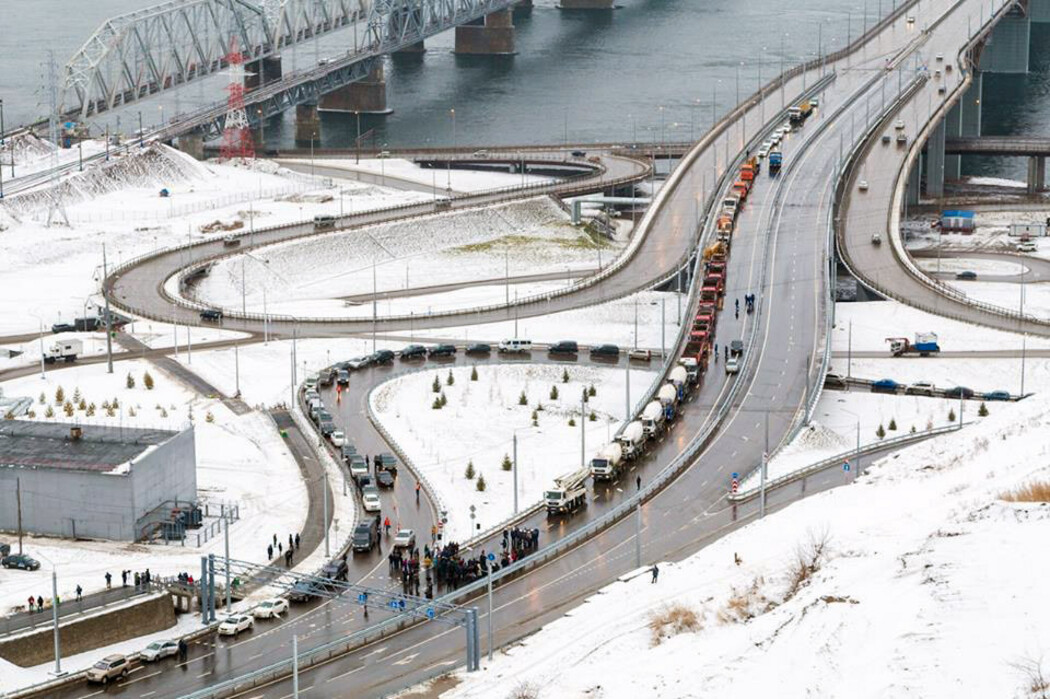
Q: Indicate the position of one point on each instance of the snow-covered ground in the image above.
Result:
(131, 219)
(1008, 295)
(952, 265)
(516, 239)
(927, 584)
(478, 424)
(438, 179)
(991, 232)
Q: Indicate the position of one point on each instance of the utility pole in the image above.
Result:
(109, 320)
(663, 327)
(488, 571)
(326, 551)
(295, 665)
(237, 367)
(374, 306)
(583, 429)
(18, 491)
(226, 543)
(627, 389)
(54, 619)
(762, 474)
(514, 463)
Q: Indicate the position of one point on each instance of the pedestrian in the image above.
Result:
(367, 463)
(274, 539)
(109, 581)
(269, 553)
(291, 542)
(296, 542)
(386, 526)
(182, 649)
(656, 573)
(726, 348)
(137, 580)
(123, 578)
(149, 577)
(280, 548)
(417, 492)
(80, 593)
(39, 603)
(638, 482)
(32, 601)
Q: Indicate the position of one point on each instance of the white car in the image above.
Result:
(1027, 246)
(235, 623)
(910, 19)
(899, 125)
(405, 539)
(774, 139)
(814, 101)
(271, 608)
(338, 438)
(359, 362)
(371, 501)
(159, 649)
(862, 185)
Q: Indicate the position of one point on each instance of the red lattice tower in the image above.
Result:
(236, 134)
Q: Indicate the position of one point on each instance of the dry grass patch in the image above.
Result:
(1037, 491)
(672, 620)
(524, 690)
(807, 561)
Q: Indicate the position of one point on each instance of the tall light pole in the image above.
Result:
(357, 143)
(313, 135)
(452, 114)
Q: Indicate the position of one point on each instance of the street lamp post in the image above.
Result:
(262, 128)
(452, 114)
(313, 135)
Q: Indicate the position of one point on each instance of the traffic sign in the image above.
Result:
(736, 485)
(735, 475)
(845, 466)
(430, 612)
(362, 597)
(492, 556)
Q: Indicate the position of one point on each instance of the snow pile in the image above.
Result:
(26, 147)
(919, 581)
(154, 167)
(479, 421)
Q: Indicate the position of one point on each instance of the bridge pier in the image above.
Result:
(935, 162)
(964, 121)
(911, 194)
(523, 7)
(262, 72)
(416, 49)
(1036, 174)
(493, 38)
(1006, 50)
(586, 5)
(191, 144)
(366, 96)
(307, 123)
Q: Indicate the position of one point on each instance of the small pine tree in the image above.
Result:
(50, 412)
(506, 465)
(554, 393)
(105, 405)
(983, 410)
(480, 484)
(523, 399)
(130, 381)
(951, 415)
(60, 396)
(147, 381)
(31, 414)
(881, 432)
(451, 379)
(114, 403)
(592, 417)
(131, 412)
(913, 429)
(535, 416)
(208, 417)
(474, 373)
(110, 412)
(163, 412)
(9, 415)
(43, 398)
(592, 391)
(572, 422)
(436, 386)
(469, 473)
(82, 405)
(90, 410)
(68, 408)
(893, 424)
(565, 376)
(539, 407)
(76, 395)
(436, 405)
(444, 399)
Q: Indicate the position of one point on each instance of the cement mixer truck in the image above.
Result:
(631, 439)
(607, 464)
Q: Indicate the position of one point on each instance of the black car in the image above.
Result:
(211, 314)
(442, 351)
(385, 479)
(958, 392)
(605, 351)
(302, 591)
(343, 377)
(414, 352)
(323, 416)
(327, 427)
(991, 395)
(479, 348)
(386, 462)
(579, 153)
(366, 535)
(20, 561)
(335, 569)
(564, 347)
(63, 328)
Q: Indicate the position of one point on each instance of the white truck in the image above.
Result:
(631, 439)
(606, 465)
(668, 396)
(64, 350)
(568, 493)
(678, 378)
(692, 369)
(653, 418)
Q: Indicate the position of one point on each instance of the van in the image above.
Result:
(366, 535)
(515, 345)
(323, 221)
(212, 315)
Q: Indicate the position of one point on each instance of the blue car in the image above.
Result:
(996, 395)
(884, 386)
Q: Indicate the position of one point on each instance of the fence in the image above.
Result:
(26, 621)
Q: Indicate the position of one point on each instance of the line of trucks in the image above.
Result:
(609, 464)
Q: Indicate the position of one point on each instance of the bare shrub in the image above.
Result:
(808, 558)
(745, 604)
(1036, 682)
(524, 690)
(1037, 491)
(672, 620)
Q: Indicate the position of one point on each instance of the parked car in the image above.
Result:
(1027, 246)
(833, 380)
(360, 362)
(920, 388)
(383, 357)
(405, 539)
(564, 347)
(327, 378)
(966, 274)
(20, 561)
(370, 500)
(343, 377)
(515, 345)
(366, 535)
(885, 138)
(899, 125)
(884, 386)
(271, 608)
(327, 427)
(311, 383)
(335, 569)
(111, 667)
(338, 438)
(479, 348)
(414, 352)
(441, 351)
(385, 479)
(959, 392)
(997, 395)
(386, 462)
(235, 623)
(159, 649)
(63, 328)
(641, 355)
(605, 351)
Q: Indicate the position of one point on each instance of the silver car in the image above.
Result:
(160, 649)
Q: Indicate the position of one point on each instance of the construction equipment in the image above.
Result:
(569, 492)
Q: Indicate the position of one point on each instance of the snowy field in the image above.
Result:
(991, 232)
(1008, 295)
(240, 460)
(441, 443)
(516, 239)
(952, 265)
(926, 584)
(438, 179)
(121, 208)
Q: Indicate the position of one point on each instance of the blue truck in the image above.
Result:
(776, 159)
(925, 344)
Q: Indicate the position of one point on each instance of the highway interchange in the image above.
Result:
(779, 252)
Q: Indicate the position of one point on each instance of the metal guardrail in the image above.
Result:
(21, 621)
(806, 471)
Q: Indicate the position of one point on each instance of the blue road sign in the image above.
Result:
(393, 604)
(430, 612)
(845, 466)
(735, 475)
(362, 598)
(492, 556)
